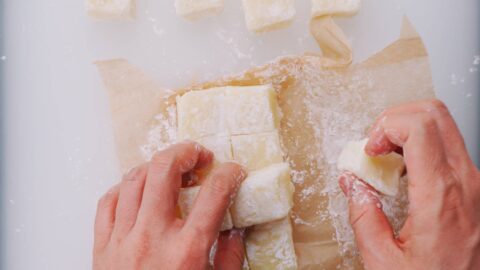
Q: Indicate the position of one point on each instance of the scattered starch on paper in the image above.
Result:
(333, 128)
(3, 58)
(162, 134)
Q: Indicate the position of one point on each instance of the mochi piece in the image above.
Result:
(267, 15)
(220, 145)
(110, 9)
(265, 195)
(256, 151)
(335, 7)
(186, 200)
(222, 149)
(200, 113)
(382, 172)
(251, 109)
(197, 9)
(270, 246)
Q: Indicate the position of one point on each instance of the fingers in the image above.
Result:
(423, 147)
(130, 199)
(451, 137)
(105, 217)
(373, 233)
(164, 178)
(213, 200)
(230, 251)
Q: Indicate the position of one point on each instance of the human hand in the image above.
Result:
(136, 226)
(442, 230)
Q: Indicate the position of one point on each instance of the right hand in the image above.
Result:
(442, 230)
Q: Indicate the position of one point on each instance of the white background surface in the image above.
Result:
(58, 150)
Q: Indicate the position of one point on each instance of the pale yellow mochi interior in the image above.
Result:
(251, 110)
(335, 7)
(267, 15)
(110, 9)
(270, 246)
(196, 9)
(200, 114)
(381, 172)
(219, 145)
(222, 149)
(186, 199)
(255, 151)
(265, 195)
(227, 111)
(241, 123)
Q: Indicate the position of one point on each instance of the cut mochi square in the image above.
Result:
(200, 114)
(335, 7)
(220, 145)
(265, 195)
(381, 172)
(197, 9)
(251, 109)
(270, 246)
(222, 149)
(256, 151)
(186, 200)
(267, 15)
(110, 9)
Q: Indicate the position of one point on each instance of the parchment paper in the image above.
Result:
(322, 109)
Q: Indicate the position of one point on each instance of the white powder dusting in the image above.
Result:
(335, 118)
(162, 134)
(223, 35)
(335, 121)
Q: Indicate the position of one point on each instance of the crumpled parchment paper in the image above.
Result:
(325, 102)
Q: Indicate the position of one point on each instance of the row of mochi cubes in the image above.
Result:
(241, 123)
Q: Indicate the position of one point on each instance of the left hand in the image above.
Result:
(136, 226)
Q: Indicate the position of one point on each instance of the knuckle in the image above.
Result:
(180, 156)
(436, 106)
(426, 122)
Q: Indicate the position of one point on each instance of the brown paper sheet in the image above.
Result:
(322, 109)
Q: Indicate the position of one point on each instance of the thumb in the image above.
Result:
(230, 250)
(373, 233)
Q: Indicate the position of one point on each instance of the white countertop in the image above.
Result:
(58, 154)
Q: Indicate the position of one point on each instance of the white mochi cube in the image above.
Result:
(196, 9)
(382, 172)
(200, 114)
(251, 109)
(270, 246)
(220, 146)
(267, 15)
(265, 195)
(335, 7)
(110, 9)
(256, 151)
